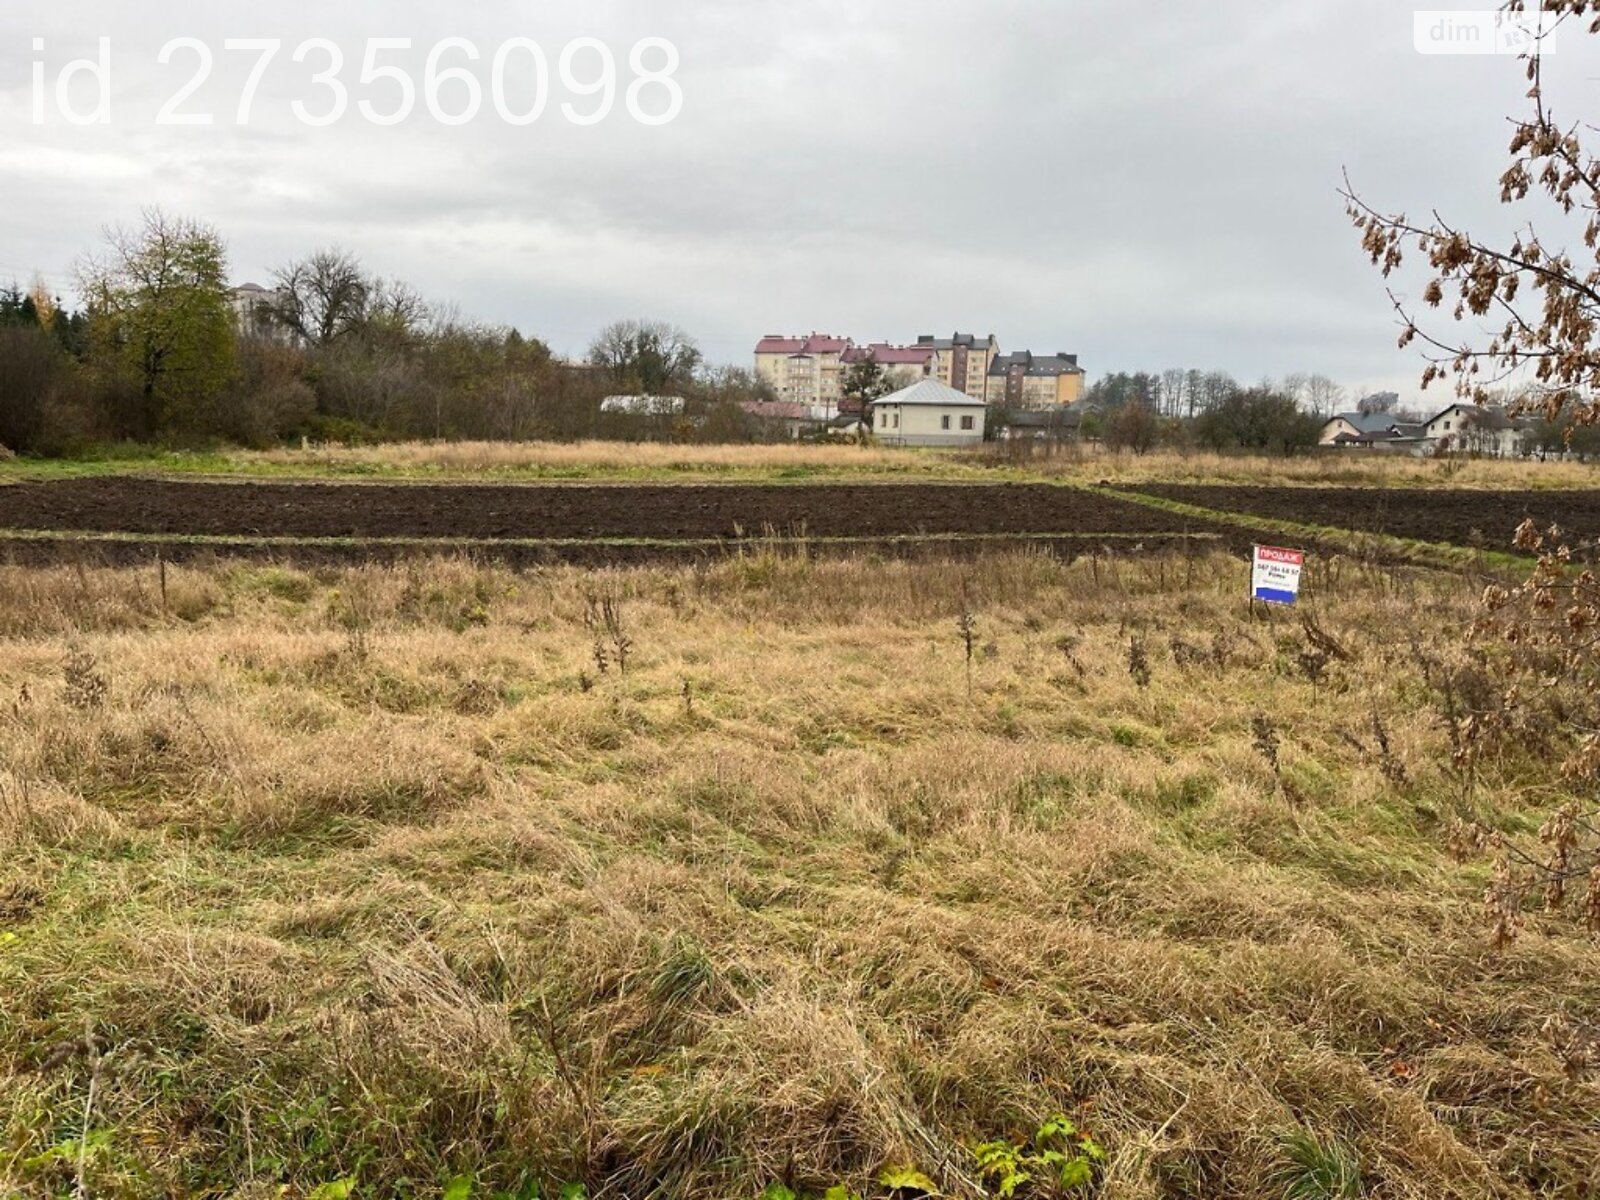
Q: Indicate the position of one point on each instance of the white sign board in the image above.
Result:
(1275, 574)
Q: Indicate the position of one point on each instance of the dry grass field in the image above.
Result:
(585, 459)
(1322, 469)
(1071, 462)
(684, 882)
(651, 461)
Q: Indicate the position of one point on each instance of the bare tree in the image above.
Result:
(1216, 387)
(1132, 427)
(395, 306)
(1173, 381)
(322, 297)
(1322, 395)
(650, 357)
(1297, 386)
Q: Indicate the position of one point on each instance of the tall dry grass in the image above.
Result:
(375, 874)
(582, 459)
(1085, 463)
(1321, 468)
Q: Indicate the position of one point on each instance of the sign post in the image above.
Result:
(1275, 574)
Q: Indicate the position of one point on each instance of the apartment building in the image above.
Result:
(962, 361)
(1023, 379)
(810, 369)
(904, 365)
(804, 370)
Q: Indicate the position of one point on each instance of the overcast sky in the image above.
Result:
(1144, 184)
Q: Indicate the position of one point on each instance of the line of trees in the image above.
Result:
(164, 351)
(1186, 393)
(1209, 409)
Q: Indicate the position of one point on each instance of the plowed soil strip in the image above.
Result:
(467, 512)
(1481, 519)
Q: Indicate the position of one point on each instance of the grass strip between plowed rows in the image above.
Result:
(1434, 554)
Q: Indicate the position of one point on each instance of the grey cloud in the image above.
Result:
(1145, 185)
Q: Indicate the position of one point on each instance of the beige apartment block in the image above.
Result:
(804, 370)
(810, 368)
(1023, 379)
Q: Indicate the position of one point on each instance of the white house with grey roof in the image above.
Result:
(1460, 428)
(1370, 429)
(1476, 430)
(928, 413)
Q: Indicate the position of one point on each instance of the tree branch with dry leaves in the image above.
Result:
(1527, 311)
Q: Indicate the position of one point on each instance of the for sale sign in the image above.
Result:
(1275, 574)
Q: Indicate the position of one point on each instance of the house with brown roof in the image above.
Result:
(804, 370)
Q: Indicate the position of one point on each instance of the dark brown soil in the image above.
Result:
(472, 512)
(1485, 519)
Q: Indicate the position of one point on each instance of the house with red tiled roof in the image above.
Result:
(920, 357)
(902, 365)
(807, 369)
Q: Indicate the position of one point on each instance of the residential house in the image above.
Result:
(1472, 429)
(1056, 423)
(1023, 379)
(804, 370)
(1385, 430)
(962, 361)
(928, 413)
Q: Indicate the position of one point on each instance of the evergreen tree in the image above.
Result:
(11, 299)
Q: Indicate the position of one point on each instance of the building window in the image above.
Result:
(966, 422)
(944, 421)
(897, 420)
(883, 420)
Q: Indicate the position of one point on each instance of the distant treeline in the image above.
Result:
(1211, 410)
(165, 351)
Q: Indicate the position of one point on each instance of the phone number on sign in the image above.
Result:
(451, 89)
